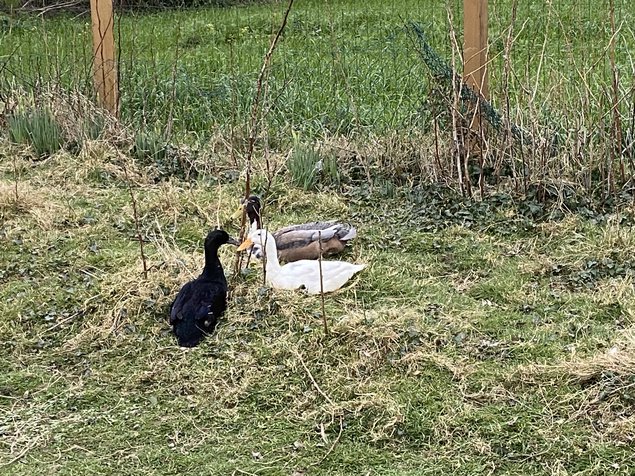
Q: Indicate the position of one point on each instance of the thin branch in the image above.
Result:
(32, 444)
(253, 133)
(617, 123)
(136, 220)
(256, 104)
(175, 65)
(337, 440)
(317, 387)
(16, 179)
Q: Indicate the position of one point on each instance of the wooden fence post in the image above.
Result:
(475, 45)
(104, 64)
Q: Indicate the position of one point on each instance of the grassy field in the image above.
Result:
(482, 339)
(485, 337)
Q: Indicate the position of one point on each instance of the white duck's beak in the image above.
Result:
(245, 244)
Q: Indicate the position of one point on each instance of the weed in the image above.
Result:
(150, 147)
(304, 165)
(94, 126)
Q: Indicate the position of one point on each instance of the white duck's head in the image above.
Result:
(261, 240)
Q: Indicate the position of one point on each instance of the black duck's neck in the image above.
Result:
(212, 263)
(254, 217)
(254, 208)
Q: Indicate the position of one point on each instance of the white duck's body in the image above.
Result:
(302, 273)
(303, 241)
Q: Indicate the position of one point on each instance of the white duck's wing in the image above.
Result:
(335, 274)
(306, 273)
(290, 276)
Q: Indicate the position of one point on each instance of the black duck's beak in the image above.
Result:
(233, 241)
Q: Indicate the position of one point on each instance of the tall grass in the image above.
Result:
(347, 68)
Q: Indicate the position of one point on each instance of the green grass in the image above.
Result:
(458, 350)
(38, 129)
(341, 67)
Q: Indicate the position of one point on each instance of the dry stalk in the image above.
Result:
(458, 138)
(16, 178)
(507, 141)
(326, 328)
(168, 129)
(617, 123)
(234, 99)
(254, 125)
(315, 384)
(256, 104)
(264, 259)
(437, 157)
(24, 451)
(332, 447)
(136, 218)
(628, 148)
(118, 58)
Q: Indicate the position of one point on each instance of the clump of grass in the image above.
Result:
(37, 128)
(150, 147)
(308, 167)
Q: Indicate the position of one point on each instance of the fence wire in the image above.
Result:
(342, 67)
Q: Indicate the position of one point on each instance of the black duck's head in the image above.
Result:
(217, 238)
(252, 204)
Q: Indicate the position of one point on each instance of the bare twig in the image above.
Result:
(234, 100)
(330, 450)
(253, 133)
(507, 145)
(256, 104)
(32, 444)
(617, 122)
(170, 122)
(136, 219)
(78, 5)
(16, 178)
(62, 321)
(458, 135)
(117, 56)
(326, 328)
(315, 384)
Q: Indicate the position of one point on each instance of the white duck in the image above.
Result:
(303, 273)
